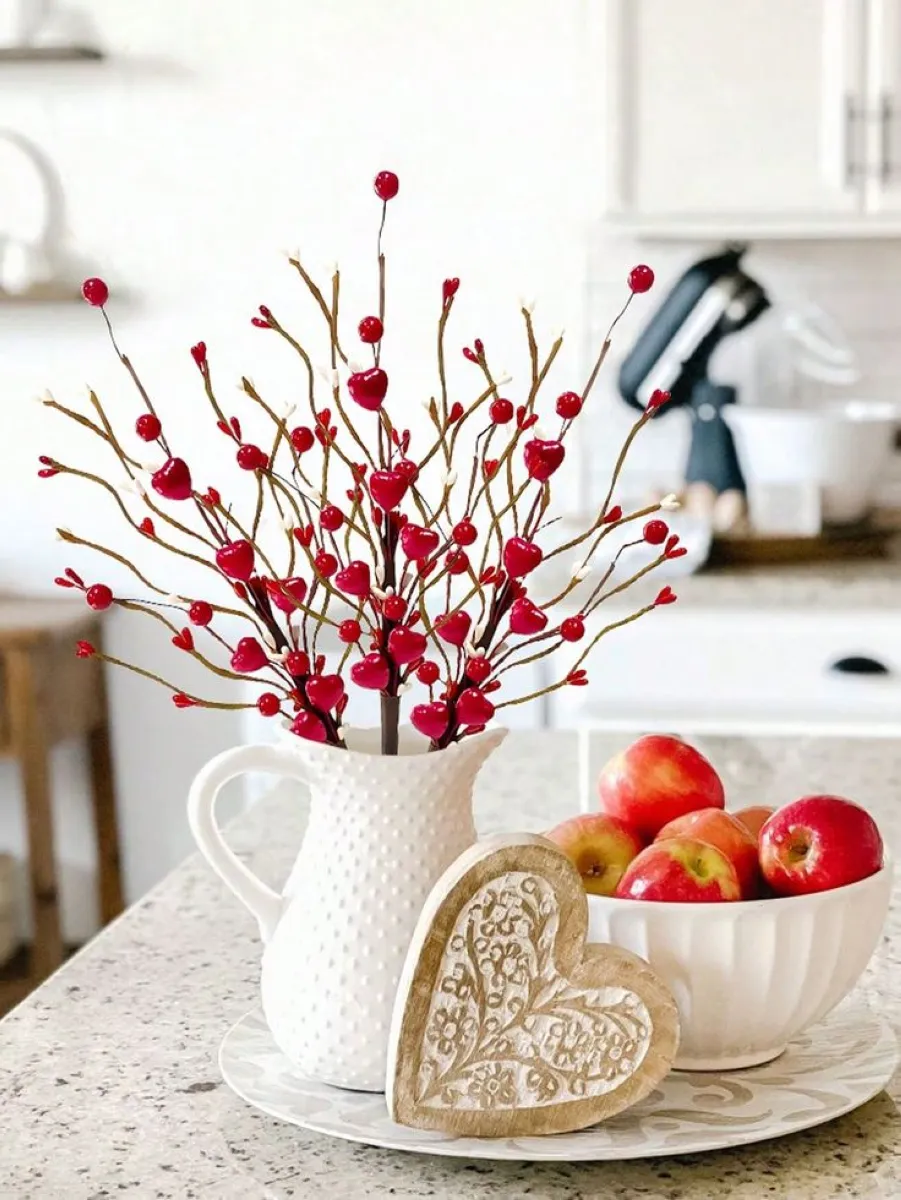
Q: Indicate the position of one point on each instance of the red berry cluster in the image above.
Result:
(383, 579)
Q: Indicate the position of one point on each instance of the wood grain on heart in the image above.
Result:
(506, 1023)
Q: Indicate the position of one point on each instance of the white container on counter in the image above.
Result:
(842, 448)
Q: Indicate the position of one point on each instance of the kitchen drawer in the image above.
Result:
(734, 668)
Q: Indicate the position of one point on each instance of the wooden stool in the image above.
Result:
(47, 694)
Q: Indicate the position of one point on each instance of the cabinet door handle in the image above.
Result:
(852, 114)
(886, 117)
(859, 664)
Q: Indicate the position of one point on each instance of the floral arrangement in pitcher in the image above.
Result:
(394, 565)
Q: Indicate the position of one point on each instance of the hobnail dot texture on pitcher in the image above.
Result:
(379, 837)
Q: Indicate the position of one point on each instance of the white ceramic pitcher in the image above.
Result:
(381, 831)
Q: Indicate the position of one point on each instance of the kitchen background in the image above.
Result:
(538, 144)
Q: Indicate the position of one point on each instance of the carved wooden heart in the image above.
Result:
(506, 1024)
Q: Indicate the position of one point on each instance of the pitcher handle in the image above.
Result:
(264, 903)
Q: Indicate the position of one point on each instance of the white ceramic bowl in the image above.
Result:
(843, 447)
(749, 976)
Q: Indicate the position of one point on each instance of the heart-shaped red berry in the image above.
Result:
(181, 700)
(326, 564)
(173, 480)
(455, 413)
(249, 656)
(417, 542)
(147, 527)
(473, 707)
(456, 562)
(454, 628)
(666, 596)
(353, 579)
(521, 557)
(184, 640)
(388, 488)
(287, 594)
(372, 671)
(578, 677)
(526, 617)
(325, 692)
(489, 466)
(297, 662)
(304, 535)
(408, 468)
(431, 720)
(615, 514)
(449, 289)
(405, 645)
(236, 560)
(542, 458)
(308, 725)
(368, 388)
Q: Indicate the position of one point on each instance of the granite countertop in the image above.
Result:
(848, 585)
(108, 1078)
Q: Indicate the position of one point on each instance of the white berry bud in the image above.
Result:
(671, 502)
(450, 479)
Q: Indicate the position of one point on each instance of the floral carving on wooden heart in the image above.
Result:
(506, 1023)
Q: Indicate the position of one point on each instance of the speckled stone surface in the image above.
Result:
(108, 1077)
(839, 586)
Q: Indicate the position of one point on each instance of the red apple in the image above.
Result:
(657, 779)
(681, 870)
(818, 843)
(600, 847)
(755, 818)
(728, 835)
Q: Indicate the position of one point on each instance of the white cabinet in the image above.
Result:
(882, 109)
(752, 117)
(743, 670)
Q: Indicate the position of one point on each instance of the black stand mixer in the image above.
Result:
(713, 299)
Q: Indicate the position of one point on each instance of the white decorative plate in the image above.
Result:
(830, 1070)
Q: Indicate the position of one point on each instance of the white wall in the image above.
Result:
(218, 136)
(215, 138)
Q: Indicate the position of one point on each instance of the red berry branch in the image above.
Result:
(389, 569)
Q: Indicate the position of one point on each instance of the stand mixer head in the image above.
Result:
(713, 299)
